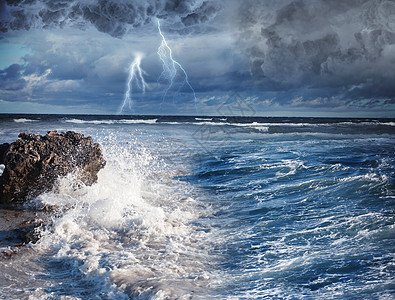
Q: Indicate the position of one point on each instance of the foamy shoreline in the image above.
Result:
(17, 228)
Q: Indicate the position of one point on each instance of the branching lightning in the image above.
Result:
(135, 78)
(171, 67)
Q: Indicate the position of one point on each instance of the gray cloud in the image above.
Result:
(299, 54)
(348, 45)
(116, 18)
(10, 79)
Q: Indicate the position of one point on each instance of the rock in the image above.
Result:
(20, 227)
(34, 162)
(3, 150)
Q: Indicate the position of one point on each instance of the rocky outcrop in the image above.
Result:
(34, 162)
(3, 150)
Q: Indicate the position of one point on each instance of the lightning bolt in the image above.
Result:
(136, 77)
(171, 67)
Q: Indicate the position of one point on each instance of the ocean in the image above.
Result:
(215, 208)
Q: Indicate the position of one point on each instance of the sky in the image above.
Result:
(242, 57)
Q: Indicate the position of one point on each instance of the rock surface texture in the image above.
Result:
(34, 162)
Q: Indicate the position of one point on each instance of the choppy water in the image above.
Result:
(216, 208)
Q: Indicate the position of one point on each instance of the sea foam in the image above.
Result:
(131, 232)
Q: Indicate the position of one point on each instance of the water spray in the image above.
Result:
(135, 77)
(171, 67)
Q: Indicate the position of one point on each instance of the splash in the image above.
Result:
(132, 235)
(135, 78)
(171, 68)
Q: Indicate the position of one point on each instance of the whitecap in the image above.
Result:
(149, 121)
(96, 122)
(23, 120)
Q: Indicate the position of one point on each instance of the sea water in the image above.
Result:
(215, 208)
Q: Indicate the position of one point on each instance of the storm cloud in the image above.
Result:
(115, 17)
(282, 55)
(348, 45)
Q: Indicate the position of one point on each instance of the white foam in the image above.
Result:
(149, 121)
(2, 167)
(203, 119)
(133, 228)
(369, 123)
(79, 121)
(255, 125)
(370, 177)
(261, 128)
(109, 122)
(23, 120)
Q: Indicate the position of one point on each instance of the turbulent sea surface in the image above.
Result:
(216, 208)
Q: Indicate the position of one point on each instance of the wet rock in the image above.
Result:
(3, 149)
(19, 227)
(34, 162)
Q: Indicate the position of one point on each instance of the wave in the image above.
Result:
(23, 120)
(133, 234)
(240, 222)
(79, 121)
(369, 123)
(314, 124)
(203, 119)
(272, 127)
(224, 122)
(212, 123)
(109, 122)
(150, 121)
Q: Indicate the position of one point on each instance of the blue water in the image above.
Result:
(217, 208)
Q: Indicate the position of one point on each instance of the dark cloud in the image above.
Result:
(348, 45)
(12, 72)
(70, 67)
(10, 78)
(115, 17)
(285, 54)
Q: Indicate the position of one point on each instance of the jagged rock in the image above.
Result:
(34, 162)
(3, 149)
(19, 227)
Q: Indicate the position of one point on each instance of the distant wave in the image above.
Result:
(23, 120)
(254, 124)
(369, 123)
(203, 119)
(260, 126)
(109, 122)
(150, 121)
(248, 124)
(79, 121)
